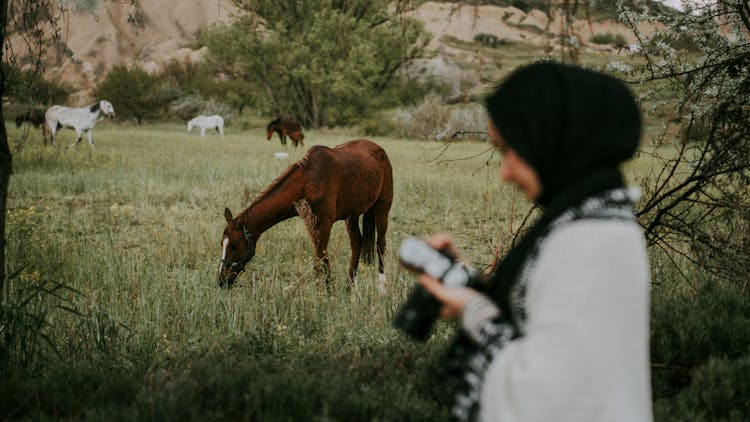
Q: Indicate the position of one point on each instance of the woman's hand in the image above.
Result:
(444, 242)
(452, 298)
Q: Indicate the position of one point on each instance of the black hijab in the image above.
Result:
(574, 127)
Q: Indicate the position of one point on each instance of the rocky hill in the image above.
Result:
(102, 38)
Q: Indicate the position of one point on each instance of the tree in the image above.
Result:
(6, 161)
(35, 24)
(29, 87)
(133, 90)
(697, 204)
(323, 62)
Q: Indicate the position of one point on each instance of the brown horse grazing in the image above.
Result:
(326, 185)
(284, 128)
(35, 117)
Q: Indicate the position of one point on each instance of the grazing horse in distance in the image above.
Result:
(36, 118)
(284, 128)
(81, 119)
(325, 186)
(33, 116)
(207, 122)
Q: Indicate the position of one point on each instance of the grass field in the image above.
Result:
(134, 227)
(141, 330)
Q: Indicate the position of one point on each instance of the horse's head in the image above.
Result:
(273, 126)
(107, 108)
(237, 249)
(19, 120)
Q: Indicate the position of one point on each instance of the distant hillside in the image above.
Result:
(100, 37)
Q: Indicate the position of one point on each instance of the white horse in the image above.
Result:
(81, 119)
(207, 122)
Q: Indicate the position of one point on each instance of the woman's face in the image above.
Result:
(513, 168)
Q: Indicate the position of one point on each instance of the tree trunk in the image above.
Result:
(5, 157)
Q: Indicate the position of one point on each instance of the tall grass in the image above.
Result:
(133, 228)
(114, 312)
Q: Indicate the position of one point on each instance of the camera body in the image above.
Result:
(419, 312)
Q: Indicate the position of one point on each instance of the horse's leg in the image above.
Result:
(91, 138)
(381, 226)
(79, 135)
(52, 130)
(355, 242)
(203, 131)
(321, 235)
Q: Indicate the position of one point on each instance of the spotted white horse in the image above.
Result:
(80, 119)
(207, 122)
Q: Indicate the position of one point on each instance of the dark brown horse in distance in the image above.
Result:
(36, 118)
(326, 185)
(286, 127)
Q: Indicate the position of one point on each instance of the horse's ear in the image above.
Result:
(228, 215)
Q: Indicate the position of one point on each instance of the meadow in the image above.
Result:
(117, 248)
(132, 229)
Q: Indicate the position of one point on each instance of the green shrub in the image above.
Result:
(700, 352)
(375, 126)
(608, 38)
(490, 40)
(28, 87)
(719, 390)
(133, 92)
(434, 120)
(193, 105)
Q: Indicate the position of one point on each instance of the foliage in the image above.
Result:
(29, 87)
(697, 203)
(700, 350)
(25, 343)
(609, 38)
(433, 120)
(135, 228)
(132, 91)
(490, 40)
(527, 5)
(193, 105)
(324, 63)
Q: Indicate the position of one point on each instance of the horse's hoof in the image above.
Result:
(381, 284)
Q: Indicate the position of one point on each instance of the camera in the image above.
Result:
(419, 312)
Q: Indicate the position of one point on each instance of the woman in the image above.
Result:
(560, 333)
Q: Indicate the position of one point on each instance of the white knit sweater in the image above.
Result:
(585, 355)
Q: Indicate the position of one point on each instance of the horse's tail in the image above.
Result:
(368, 236)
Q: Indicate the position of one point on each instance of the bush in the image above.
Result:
(27, 87)
(133, 92)
(193, 105)
(700, 350)
(608, 38)
(490, 40)
(433, 120)
(375, 126)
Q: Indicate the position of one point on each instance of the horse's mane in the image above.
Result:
(273, 123)
(299, 165)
